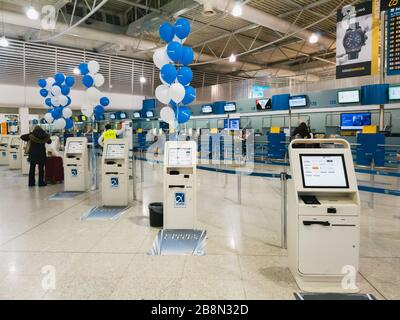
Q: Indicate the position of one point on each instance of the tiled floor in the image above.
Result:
(42, 241)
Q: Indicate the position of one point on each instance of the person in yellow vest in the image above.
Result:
(109, 134)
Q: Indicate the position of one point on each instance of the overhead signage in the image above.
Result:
(393, 42)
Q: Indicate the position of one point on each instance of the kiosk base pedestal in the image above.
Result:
(323, 285)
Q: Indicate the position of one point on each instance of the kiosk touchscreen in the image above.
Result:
(4, 150)
(115, 175)
(323, 216)
(180, 161)
(14, 153)
(25, 159)
(76, 164)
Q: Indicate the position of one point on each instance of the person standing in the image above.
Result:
(36, 141)
(109, 134)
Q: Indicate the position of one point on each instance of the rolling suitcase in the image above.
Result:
(54, 170)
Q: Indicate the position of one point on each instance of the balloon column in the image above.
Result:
(55, 92)
(92, 80)
(175, 90)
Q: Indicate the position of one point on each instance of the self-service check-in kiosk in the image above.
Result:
(25, 159)
(115, 175)
(180, 185)
(15, 153)
(323, 216)
(76, 164)
(4, 140)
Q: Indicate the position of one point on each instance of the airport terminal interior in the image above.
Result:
(199, 149)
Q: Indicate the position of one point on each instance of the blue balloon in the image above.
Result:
(182, 28)
(69, 101)
(69, 81)
(44, 93)
(167, 32)
(98, 110)
(184, 114)
(168, 73)
(190, 95)
(42, 83)
(104, 101)
(185, 75)
(173, 105)
(87, 81)
(69, 123)
(56, 113)
(83, 68)
(65, 90)
(59, 78)
(47, 101)
(187, 55)
(174, 51)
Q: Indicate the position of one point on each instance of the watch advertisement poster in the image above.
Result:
(357, 40)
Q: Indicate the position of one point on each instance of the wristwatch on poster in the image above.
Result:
(354, 40)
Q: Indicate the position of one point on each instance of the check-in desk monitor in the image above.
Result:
(76, 169)
(180, 160)
(323, 216)
(115, 174)
(14, 153)
(4, 150)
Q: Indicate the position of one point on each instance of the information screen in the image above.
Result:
(263, 104)
(349, 96)
(298, 101)
(136, 115)
(394, 93)
(4, 140)
(323, 171)
(180, 156)
(354, 121)
(15, 141)
(75, 147)
(206, 108)
(112, 116)
(230, 107)
(122, 115)
(115, 151)
(149, 114)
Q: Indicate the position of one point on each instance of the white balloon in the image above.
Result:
(49, 83)
(160, 57)
(63, 100)
(162, 94)
(177, 92)
(55, 102)
(181, 41)
(56, 91)
(167, 114)
(87, 111)
(93, 67)
(48, 117)
(98, 80)
(93, 95)
(67, 113)
(59, 124)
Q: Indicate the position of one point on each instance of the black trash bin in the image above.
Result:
(156, 210)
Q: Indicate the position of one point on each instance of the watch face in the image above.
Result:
(353, 40)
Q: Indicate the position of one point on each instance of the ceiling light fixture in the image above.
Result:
(237, 10)
(142, 79)
(232, 58)
(4, 42)
(32, 13)
(314, 38)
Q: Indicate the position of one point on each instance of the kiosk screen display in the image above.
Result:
(15, 142)
(116, 151)
(4, 140)
(323, 171)
(349, 96)
(180, 156)
(75, 147)
(354, 121)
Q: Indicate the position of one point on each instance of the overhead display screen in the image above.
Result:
(207, 108)
(232, 124)
(180, 156)
(115, 151)
(263, 104)
(354, 121)
(349, 96)
(230, 107)
(112, 116)
(136, 114)
(149, 114)
(323, 171)
(394, 93)
(298, 101)
(122, 115)
(75, 147)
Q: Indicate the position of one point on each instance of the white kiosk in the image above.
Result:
(180, 159)
(76, 164)
(25, 159)
(115, 175)
(323, 216)
(4, 140)
(15, 153)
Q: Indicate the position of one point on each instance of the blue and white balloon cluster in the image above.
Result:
(92, 80)
(175, 90)
(55, 92)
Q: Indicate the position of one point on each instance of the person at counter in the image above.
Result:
(301, 132)
(110, 133)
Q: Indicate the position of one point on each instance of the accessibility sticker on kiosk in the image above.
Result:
(74, 172)
(114, 182)
(180, 200)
